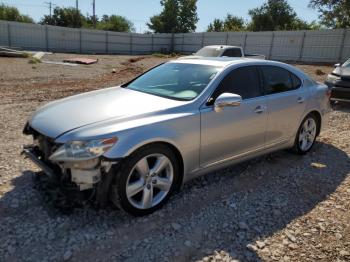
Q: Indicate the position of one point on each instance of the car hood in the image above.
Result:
(342, 71)
(67, 114)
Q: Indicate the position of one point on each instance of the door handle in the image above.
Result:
(259, 109)
(300, 100)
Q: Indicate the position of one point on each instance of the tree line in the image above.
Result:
(70, 17)
(180, 16)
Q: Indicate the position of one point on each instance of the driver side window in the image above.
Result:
(243, 81)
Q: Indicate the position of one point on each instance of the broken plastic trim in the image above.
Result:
(29, 152)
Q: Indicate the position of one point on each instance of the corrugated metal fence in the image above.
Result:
(72, 40)
(306, 46)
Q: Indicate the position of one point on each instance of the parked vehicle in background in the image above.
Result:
(223, 51)
(339, 82)
(139, 142)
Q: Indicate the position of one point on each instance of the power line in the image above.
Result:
(49, 5)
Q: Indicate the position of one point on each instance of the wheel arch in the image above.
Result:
(318, 116)
(170, 145)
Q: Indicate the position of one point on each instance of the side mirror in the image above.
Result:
(227, 99)
(337, 65)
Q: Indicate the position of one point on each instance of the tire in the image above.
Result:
(146, 179)
(306, 135)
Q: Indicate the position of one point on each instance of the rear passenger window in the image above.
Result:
(234, 52)
(243, 81)
(277, 80)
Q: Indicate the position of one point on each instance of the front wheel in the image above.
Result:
(145, 180)
(306, 135)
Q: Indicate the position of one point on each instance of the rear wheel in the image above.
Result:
(146, 180)
(306, 135)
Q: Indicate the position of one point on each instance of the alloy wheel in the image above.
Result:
(307, 134)
(149, 181)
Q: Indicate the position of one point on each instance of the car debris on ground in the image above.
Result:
(39, 55)
(81, 60)
(7, 52)
(58, 63)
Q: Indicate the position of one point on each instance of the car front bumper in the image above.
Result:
(340, 94)
(340, 89)
(85, 174)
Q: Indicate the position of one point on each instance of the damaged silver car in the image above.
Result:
(138, 142)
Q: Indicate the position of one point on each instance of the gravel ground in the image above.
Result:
(281, 207)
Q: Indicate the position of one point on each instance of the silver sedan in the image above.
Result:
(139, 142)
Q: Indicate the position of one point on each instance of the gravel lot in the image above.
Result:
(281, 207)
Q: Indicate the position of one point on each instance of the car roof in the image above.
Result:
(220, 46)
(224, 62)
(220, 61)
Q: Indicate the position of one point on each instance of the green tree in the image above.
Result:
(233, 23)
(177, 16)
(9, 13)
(115, 23)
(275, 15)
(216, 26)
(166, 21)
(89, 21)
(230, 23)
(70, 17)
(67, 17)
(188, 17)
(299, 24)
(314, 25)
(334, 13)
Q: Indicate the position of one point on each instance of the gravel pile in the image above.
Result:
(280, 207)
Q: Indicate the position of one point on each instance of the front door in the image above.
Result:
(234, 130)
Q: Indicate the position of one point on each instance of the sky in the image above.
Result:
(139, 11)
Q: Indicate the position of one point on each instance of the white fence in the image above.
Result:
(72, 40)
(305, 46)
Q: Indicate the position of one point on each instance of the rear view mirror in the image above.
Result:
(227, 99)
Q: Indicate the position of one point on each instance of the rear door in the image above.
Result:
(235, 130)
(286, 101)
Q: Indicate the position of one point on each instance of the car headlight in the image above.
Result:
(332, 78)
(82, 150)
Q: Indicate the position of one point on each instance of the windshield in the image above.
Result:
(209, 52)
(175, 80)
(346, 64)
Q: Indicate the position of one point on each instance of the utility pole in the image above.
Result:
(93, 13)
(50, 7)
(77, 13)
